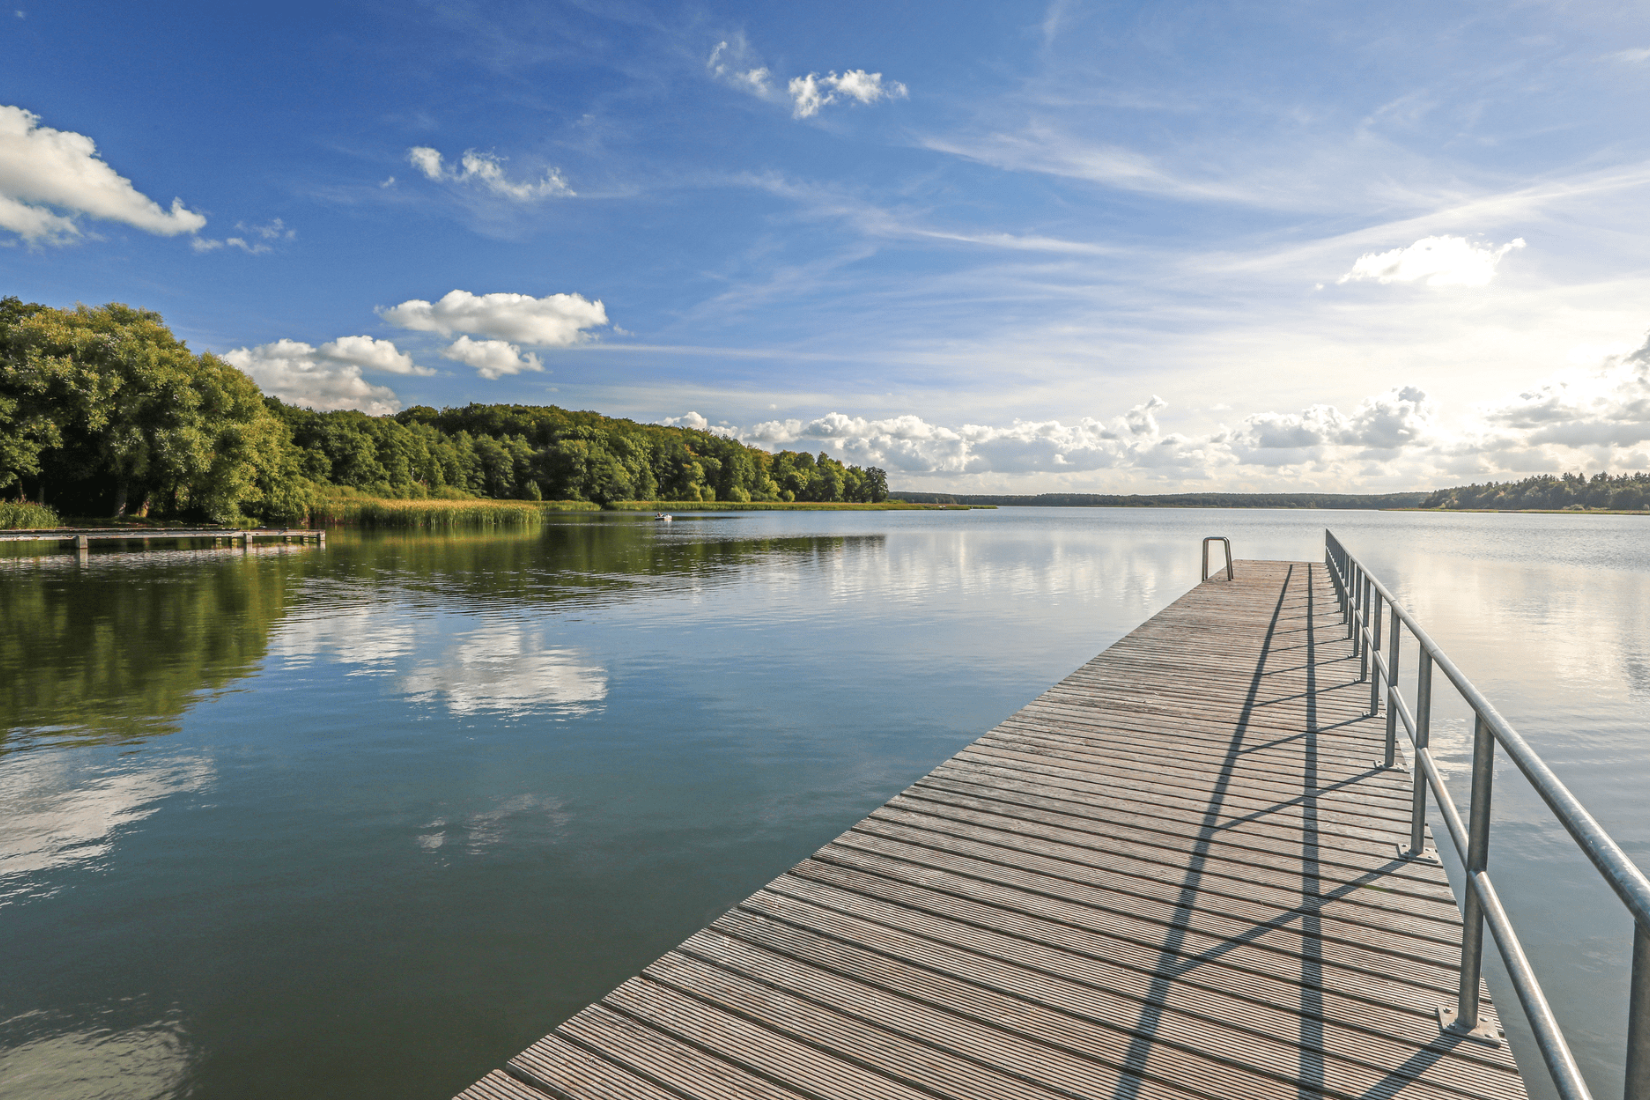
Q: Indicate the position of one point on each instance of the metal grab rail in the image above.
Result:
(1228, 544)
(1362, 598)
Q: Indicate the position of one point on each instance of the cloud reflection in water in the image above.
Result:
(149, 1061)
(507, 669)
(59, 815)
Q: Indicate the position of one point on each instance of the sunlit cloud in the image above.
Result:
(554, 321)
(492, 358)
(1438, 261)
(695, 422)
(49, 178)
(812, 92)
(327, 378)
(1576, 418)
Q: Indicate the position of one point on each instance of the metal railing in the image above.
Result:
(1362, 599)
(1222, 539)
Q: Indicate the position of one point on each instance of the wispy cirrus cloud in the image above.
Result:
(256, 239)
(731, 63)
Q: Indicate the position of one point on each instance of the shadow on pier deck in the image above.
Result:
(1175, 874)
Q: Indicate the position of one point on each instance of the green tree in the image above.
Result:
(137, 415)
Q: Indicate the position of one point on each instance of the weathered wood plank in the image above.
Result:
(1174, 875)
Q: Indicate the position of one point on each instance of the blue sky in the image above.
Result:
(1065, 246)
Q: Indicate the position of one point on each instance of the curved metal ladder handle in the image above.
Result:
(1228, 544)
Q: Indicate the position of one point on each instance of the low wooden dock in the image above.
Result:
(1176, 874)
(83, 537)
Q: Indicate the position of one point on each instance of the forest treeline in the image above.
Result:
(1626, 492)
(1176, 500)
(104, 412)
(1623, 492)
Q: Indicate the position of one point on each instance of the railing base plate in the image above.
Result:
(1425, 855)
(1483, 1033)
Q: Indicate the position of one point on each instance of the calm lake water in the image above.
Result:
(364, 822)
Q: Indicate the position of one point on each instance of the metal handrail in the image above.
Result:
(1362, 598)
(1228, 544)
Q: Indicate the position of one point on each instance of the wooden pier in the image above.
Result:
(82, 538)
(1179, 873)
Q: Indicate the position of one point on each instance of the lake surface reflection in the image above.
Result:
(366, 821)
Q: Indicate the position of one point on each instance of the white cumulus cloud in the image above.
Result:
(694, 422)
(325, 378)
(371, 354)
(732, 62)
(1608, 406)
(1440, 261)
(487, 171)
(812, 92)
(1578, 418)
(1382, 423)
(491, 358)
(554, 321)
(50, 177)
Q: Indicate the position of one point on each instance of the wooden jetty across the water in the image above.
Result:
(1186, 871)
(82, 538)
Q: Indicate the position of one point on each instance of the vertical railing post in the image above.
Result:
(1363, 620)
(1346, 596)
(1346, 590)
(1638, 1019)
(1358, 612)
(1478, 858)
(1352, 603)
(1375, 644)
(1392, 691)
(1423, 734)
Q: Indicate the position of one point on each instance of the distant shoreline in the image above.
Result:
(1391, 502)
(1374, 501)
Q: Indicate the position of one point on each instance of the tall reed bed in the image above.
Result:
(428, 515)
(26, 515)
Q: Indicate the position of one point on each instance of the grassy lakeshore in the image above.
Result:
(432, 515)
(779, 506)
(362, 511)
(25, 516)
(354, 510)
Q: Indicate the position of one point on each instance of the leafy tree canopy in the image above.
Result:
(109, 412)
(1626, 492)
